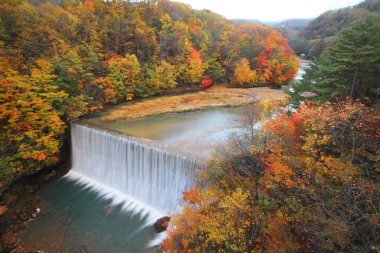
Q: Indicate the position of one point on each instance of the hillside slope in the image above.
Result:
(322, 31)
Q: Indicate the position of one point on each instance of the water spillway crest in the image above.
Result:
(142, 176)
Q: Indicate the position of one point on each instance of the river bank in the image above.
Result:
(218, 96)
(21, 205)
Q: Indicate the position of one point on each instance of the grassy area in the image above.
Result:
(215, 97)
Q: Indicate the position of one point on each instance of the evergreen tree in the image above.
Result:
(215, 71)
(351, 69)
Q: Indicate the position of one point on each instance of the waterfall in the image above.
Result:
(138, 168)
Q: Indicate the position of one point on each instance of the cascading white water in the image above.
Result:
(154, 176)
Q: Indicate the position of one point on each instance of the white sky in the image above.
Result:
(269, 10)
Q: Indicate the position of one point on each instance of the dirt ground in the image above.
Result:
(215, 97)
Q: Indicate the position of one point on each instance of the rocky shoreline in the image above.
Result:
(20, 204)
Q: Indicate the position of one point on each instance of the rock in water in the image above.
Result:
(162, 224)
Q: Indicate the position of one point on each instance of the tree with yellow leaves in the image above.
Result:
(307, 182)
(243, 73)
(30, 127)
(123, 73)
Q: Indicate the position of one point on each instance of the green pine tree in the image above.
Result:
(351, 68)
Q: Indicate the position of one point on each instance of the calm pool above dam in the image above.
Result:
(195, 134)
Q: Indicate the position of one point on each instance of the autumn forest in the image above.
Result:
(302, 174)
(61, 61)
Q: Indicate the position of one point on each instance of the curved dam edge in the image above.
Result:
(149, 143)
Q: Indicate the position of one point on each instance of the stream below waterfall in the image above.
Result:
(76, 219)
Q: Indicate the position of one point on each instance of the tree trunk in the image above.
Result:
(353, 86)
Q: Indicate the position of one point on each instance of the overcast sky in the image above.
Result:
(269, 10)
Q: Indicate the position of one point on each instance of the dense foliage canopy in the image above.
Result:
(307, 182)
(63, 59)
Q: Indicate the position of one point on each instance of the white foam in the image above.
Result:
(127, 203)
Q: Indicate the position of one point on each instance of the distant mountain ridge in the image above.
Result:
(312, 36)
(371, 5)
(320, 33)
(242, 21)
(295, 23)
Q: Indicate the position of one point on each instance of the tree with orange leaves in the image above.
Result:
(194, 67)
(30, 126)
(307, 182)
(271, 59)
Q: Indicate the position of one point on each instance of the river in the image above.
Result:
(78, 217)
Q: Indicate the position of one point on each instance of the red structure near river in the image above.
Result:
(206, 83)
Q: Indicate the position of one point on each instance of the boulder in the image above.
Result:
(308, 94)
(162, 224)
(46, 178)
(108, 209)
